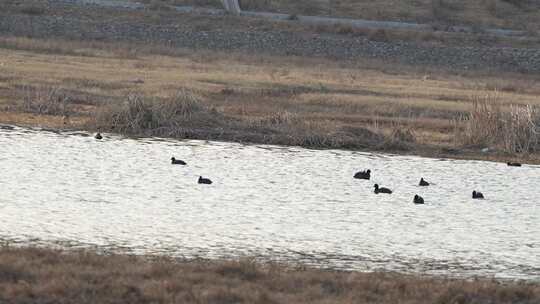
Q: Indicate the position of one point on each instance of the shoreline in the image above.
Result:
(429, 152)
(83, 276)
(247, 96)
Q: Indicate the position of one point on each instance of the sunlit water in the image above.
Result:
(286, 204)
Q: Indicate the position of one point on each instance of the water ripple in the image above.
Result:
(279, 203)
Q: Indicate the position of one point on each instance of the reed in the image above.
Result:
(45, 100)
(512, 128)
(138, 115)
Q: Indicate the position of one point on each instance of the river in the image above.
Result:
(278, 203)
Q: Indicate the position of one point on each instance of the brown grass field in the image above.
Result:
(318, 103)
(31, 275)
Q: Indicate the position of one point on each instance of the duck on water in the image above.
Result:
(175, 161)
(363, 174)
(381, 190)
(205, 181)
(418, 200)
(477, 195)
(423, 182)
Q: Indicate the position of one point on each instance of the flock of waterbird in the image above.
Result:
(202, 180)
(366, 175)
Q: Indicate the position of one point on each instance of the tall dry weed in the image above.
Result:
(142, 115)
(45, 100)
(514, 128)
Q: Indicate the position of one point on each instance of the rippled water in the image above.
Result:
(280, 203)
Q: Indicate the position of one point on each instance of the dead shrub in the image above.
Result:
(141, 115)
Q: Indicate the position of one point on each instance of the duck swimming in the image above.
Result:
(418, 200)
(477, 195)
(205, 181)
(381, 190)
(363, 174)
(423, 183)
(175, 161)
(98, 136)
(510, 164)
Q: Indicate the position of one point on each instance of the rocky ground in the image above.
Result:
(61, 20)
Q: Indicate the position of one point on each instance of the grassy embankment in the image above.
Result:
(30, 275)
(278, 100)
(441, 14)
(513, 14)
(159, 12)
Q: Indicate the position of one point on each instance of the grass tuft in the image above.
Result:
(141, 115)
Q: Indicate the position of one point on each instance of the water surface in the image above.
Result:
(287, 204)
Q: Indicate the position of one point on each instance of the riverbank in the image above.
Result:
(163, 73)
(140, 90)
(46, 275)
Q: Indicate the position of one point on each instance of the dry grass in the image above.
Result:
(513, 128)
(249, 98)
(31, 275)
(137, 114)
(51, 101)
(184, 116)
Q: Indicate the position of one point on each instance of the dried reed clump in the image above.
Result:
(142, 115)
(45, 100)
(515, 128)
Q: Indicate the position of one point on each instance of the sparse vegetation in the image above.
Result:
(31, 275)
(184, 116)
(45, 100)
(238, 97)
(491, 123)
